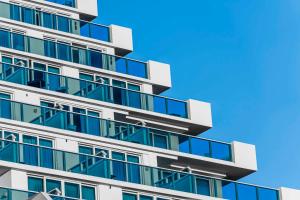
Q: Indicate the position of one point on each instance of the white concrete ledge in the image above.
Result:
(121, 37)
(200, 112)
(244, 155)
(289, 194)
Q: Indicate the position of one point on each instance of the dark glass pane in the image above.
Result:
(99, 32)
(5, 39)
(127, 196)
(52, 184)
(35, 184)
(88, 193)
(28, 15)
(84, 29)
(15, 12)
(50, 49)
(184, 144)
(63, 24)
(143, 197)
(159, 104)
(95, 59)
(46, 154)
(160, 141)
(203, 186)
(64, 51)
(48, 20)
(72, 190)
(18, 41)
(121, 65)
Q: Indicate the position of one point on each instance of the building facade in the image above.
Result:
(79, 120)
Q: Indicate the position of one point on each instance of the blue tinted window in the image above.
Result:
(64, 51)
(52, 184)
(28, 15)
(95, 59)
(88, 193)
(99, 32)
(143, 197)
(35, 184)
(15, 12)
(176, 108)
(86, 150)
(159, 104)
(121, 65)
(127, 196)
(48, 20)
(203, 187)
(160, 141)
(63, 24)
(72, 190)
(18, 41)
(5, 39)
(50, 49)
(184, 144)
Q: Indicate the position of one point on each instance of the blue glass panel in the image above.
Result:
(52, 184)
(93, 126)
(63, 24)
(27, 15)
(50, 49)
(134, 99)
(246, 192)
(221, 151)
(5, 39)
(119, 168)
(84, 29)
(267, 194)
(88, 193)
(229, 190)
(99, 32)
(72, 190)
(95, 59)
(64, 51)
(15, 12)
(203, 186)
(136, 68)
(48, 20)
(127, 196)
(30, 152)
(160, 141)
(159, 104)
(35, 184)
(134, 171)
(121, 65)
(46, 154)
(184, 144)
(18, 41)
(176, 108)
(200, 147)
(143, 197)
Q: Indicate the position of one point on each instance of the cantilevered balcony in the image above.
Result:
(74, 54)
(13, 194)
(93, 90)
(93, 125)
(53, 21)
(131, 172)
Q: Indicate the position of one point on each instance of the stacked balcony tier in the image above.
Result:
(92, 125)
(55, 22)
(70, 53)
(131, 172)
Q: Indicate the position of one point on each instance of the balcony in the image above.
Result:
(55, 22)
(91, 125)
(12, 194)
(74, 54)
(92, 90)
(130, 172)
(70, 3)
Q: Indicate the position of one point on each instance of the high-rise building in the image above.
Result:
(79, 120)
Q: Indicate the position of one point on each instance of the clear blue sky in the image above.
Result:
(242, 56)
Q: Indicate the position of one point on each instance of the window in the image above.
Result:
(52, 185)
(64, 51)
(88, 193)
(35, 184)
(5, 39)
(30, 150)
(28, 15)
(128, 196)
(143, 197)
(63, 24)
(18, 41)
(5, 103)
(46, 153)
(72, 190)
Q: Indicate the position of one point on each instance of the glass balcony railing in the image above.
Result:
(70, 53)
(12, 194)
(92, 90)
(70, 3)
(131, 172)
(53, 21)
(96, 126)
